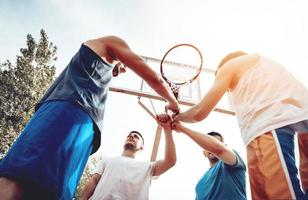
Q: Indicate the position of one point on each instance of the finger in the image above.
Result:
(165, 118)
(169, 118)
(162, 118)
(158, 118)
(115, 71)
(176, 111)
(174, 117)
(123, 69)
(173, 128)
(173, 125)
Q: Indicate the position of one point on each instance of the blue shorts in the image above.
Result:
(50, 154)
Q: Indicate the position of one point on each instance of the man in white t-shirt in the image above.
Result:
(124, 177)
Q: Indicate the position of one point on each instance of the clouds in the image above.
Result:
(274, 28)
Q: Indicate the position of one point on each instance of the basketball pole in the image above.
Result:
(156, 143)
(158, 130)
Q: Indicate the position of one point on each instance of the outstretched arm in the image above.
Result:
(169, 160)
(205, 106)
(209, 143)
(122, 52)
(90, 186)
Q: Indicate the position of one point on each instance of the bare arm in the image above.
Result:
(122, 52)
(90, 186)
(169, 160)
(209, 143)
(211, 98)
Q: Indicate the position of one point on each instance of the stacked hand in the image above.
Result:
(172, 107)
(164, 120)
(169, 122)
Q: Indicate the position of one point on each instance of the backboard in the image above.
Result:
(190, 94)
(150, 101)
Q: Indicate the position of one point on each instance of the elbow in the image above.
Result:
(171, 162)
(197, 118)
(219, 151)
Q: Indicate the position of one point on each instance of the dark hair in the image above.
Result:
(138, 134)
(216, 134)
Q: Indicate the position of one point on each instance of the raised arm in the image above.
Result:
(90, 186)
(209, 143)
(201, 110)
(123, 53)
(169, 160)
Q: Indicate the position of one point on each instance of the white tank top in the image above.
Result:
(268, 97)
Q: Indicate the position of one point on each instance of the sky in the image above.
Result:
(275, 28)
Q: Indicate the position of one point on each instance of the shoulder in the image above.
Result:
(240, 61)
(107, 161)
(110, 39)
(103, 161)
(233, 69)
(107, 46)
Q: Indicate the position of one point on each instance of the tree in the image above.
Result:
(22, 85)
(87, 173)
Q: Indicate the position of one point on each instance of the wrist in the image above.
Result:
(168, 130)
(178, 117)
(173, 101)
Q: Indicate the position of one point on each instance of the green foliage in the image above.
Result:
(87, 173)
(22, 85)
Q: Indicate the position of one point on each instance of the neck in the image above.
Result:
(129, 153)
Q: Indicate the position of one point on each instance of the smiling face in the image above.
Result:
(134, 141)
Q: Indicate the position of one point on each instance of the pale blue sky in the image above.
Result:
(275, 28)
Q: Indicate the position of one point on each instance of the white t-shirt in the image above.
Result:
(268, 97)
(123, 178)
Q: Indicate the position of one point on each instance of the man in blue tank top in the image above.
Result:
(48, 158)
(226, 178)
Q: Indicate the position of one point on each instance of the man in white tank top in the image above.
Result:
(271, 105)
(123, 177)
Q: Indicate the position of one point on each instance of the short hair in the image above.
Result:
(138, 134)
(228, 57)
(213, 133)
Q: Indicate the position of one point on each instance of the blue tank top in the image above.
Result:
(85, 81)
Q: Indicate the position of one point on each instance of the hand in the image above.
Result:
(174, 107)
(177, 126)
(176, 117)
(164, 120)
(119, 68)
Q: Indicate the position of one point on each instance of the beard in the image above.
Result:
(130, 146)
